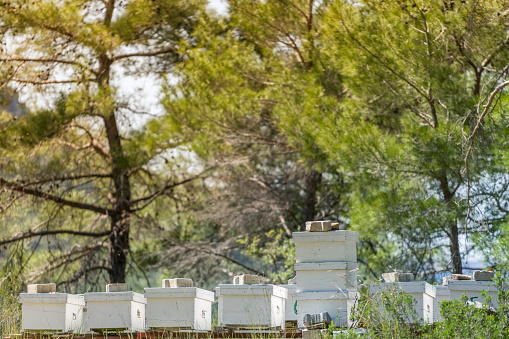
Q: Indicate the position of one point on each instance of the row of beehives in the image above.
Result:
(428, 297)
(179, 306)
(326, 268)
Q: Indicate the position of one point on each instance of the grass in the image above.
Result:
(10, 308)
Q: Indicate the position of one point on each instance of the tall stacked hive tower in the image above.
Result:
(326, 271)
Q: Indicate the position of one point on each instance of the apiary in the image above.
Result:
(337, 303)
(59, 312)
(421, 291)
(179, 308)
(325, 246)
(474, 290)
(326, 276)
(251, 306)
(122, 310)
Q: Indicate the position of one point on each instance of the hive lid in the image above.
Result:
(292, 288)
(328, 295)
(437, 290)
(472, 285)
(50, 298)
(179, 292)
(331, 236)
(328, 265)
(247, 290)
(407, 287)
(115, 296)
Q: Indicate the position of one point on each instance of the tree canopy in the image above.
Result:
(387, 117)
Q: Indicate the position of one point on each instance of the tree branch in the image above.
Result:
(29, 234)
(36, 193)
(98, 147)
(235, 261)
(67, 178)
(481, 118)
(44, 82)
(144, 54)
(161, 191)
(16, 58)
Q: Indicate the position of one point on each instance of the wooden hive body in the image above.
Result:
(59, 312)
(115, 311)
(179, 308)
(251, 306)
(421, 291)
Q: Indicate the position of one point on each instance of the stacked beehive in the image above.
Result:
(326, 271)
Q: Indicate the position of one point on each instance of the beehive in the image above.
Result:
(59, 312)
(338, 304)
(474, 290)
(326, 276)
(251, 306)
(421, 291)
(179, 308)
(115, 311)
(325, 246)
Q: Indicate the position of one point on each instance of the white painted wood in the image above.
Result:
(290, 307)
(439, 294)
(326, 276)
(182, 307)
(421, 291)
(473, 289)
(116, 310)
(251, 305)
(52, 312)
(325, 246)
(337, 303)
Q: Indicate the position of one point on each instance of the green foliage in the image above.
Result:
(463, 320)
(276, 254)
(389, 314)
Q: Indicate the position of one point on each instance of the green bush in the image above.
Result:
(464, 320)
(391, 314)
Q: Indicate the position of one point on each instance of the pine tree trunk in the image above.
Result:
(313, 179)
(120, 218)
(119, 247)
(454, 246)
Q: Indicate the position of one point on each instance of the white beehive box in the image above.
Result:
(115, 311)
(59, 312)
(180, 307)
(251, 306)
(439, 294)
(326, 276)
(291, 306)
(473, 289)
(326, 246)
(421, 291)
(337, 303)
